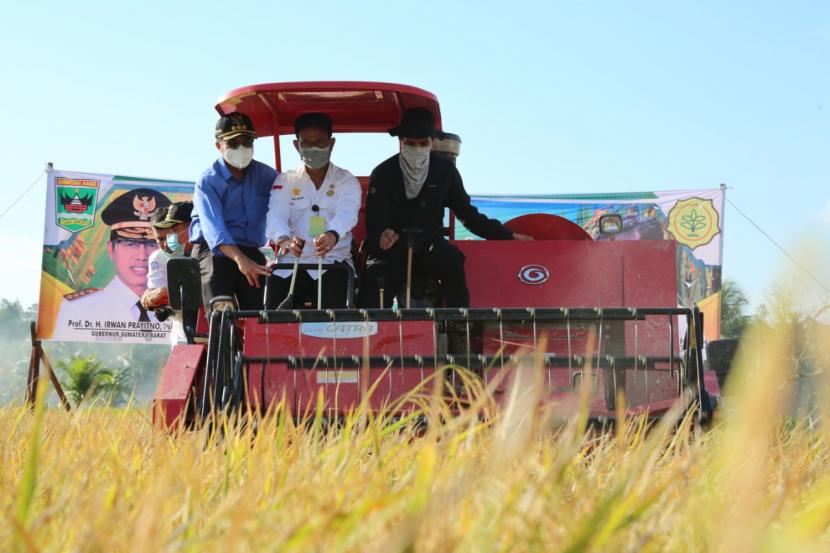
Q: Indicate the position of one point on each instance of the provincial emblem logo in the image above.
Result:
(694, 222)
(76, 201)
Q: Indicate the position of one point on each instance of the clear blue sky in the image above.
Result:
(550, 97)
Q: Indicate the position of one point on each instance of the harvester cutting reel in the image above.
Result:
(631, 352)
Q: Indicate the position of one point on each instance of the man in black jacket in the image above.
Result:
(408, 192)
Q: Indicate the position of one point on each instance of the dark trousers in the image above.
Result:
(439, 259)
(305, 289)
(221, 277)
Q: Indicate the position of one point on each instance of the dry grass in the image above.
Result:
(106, 480)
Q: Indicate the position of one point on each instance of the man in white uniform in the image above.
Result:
(170, 226)
(130, 246)
(311, 214)
(156, 293)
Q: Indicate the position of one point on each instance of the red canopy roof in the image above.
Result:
(352, 106)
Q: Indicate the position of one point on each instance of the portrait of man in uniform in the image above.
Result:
(130, 244)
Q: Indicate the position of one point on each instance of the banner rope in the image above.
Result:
(780, 248)
(14, 203)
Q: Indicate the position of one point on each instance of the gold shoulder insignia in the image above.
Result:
(80, 293)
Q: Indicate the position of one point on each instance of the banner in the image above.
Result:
(693, 218)
(96, 243)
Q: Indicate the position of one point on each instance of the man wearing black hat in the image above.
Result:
(228, 228)
(410, 191)
(159, 234)
(170, 228)
(131, 244)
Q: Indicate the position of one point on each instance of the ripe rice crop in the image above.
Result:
(103, 479)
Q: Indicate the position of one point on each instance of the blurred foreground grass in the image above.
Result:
(105, 480)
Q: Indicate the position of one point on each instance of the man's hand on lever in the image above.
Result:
(293, 244)
(388, 238)
(247, 266)
(324, 243)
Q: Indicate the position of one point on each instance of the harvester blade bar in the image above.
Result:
(459, 315)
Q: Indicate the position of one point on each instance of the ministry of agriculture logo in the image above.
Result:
(694, 222)
(75, 203)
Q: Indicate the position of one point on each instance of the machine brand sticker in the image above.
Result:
(534, 274)
(337, 377)
(694, 222)
(75, 203)
(340, 330)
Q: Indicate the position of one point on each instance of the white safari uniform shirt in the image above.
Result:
(157, 274)
(157, 278)
(290, 211)
(113, 302)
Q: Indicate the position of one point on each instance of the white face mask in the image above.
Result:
(414, 161)
(240, 157)
(315, 158)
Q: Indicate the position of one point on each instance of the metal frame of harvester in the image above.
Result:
(578, 307)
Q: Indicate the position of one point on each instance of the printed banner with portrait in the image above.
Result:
(96, 244)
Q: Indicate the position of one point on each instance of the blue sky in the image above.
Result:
(549, 97)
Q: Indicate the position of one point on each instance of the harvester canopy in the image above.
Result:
(354, 107)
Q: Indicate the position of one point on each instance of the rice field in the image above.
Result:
(520, 479)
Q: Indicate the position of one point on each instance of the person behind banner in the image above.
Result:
(173, 225)
(156, 293)
(159, 235)
(228, 227)
(311, 215)
(410, 191)
(448, 146)
(130, 245)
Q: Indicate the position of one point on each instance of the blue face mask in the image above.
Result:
(176, 247)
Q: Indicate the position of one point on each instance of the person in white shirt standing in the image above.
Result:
(311, 213)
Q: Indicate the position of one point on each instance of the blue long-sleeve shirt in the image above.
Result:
(227, 211)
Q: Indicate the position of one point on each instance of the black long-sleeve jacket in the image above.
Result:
(388, 207)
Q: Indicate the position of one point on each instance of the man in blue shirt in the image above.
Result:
(228, 227)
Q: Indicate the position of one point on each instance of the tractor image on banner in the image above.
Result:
(615, 294)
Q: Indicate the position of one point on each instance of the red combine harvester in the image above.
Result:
(607, 306)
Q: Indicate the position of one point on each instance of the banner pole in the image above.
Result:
(720, 254)
(35, 359)
(54, 379)
(34, 368)
(37, 350)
